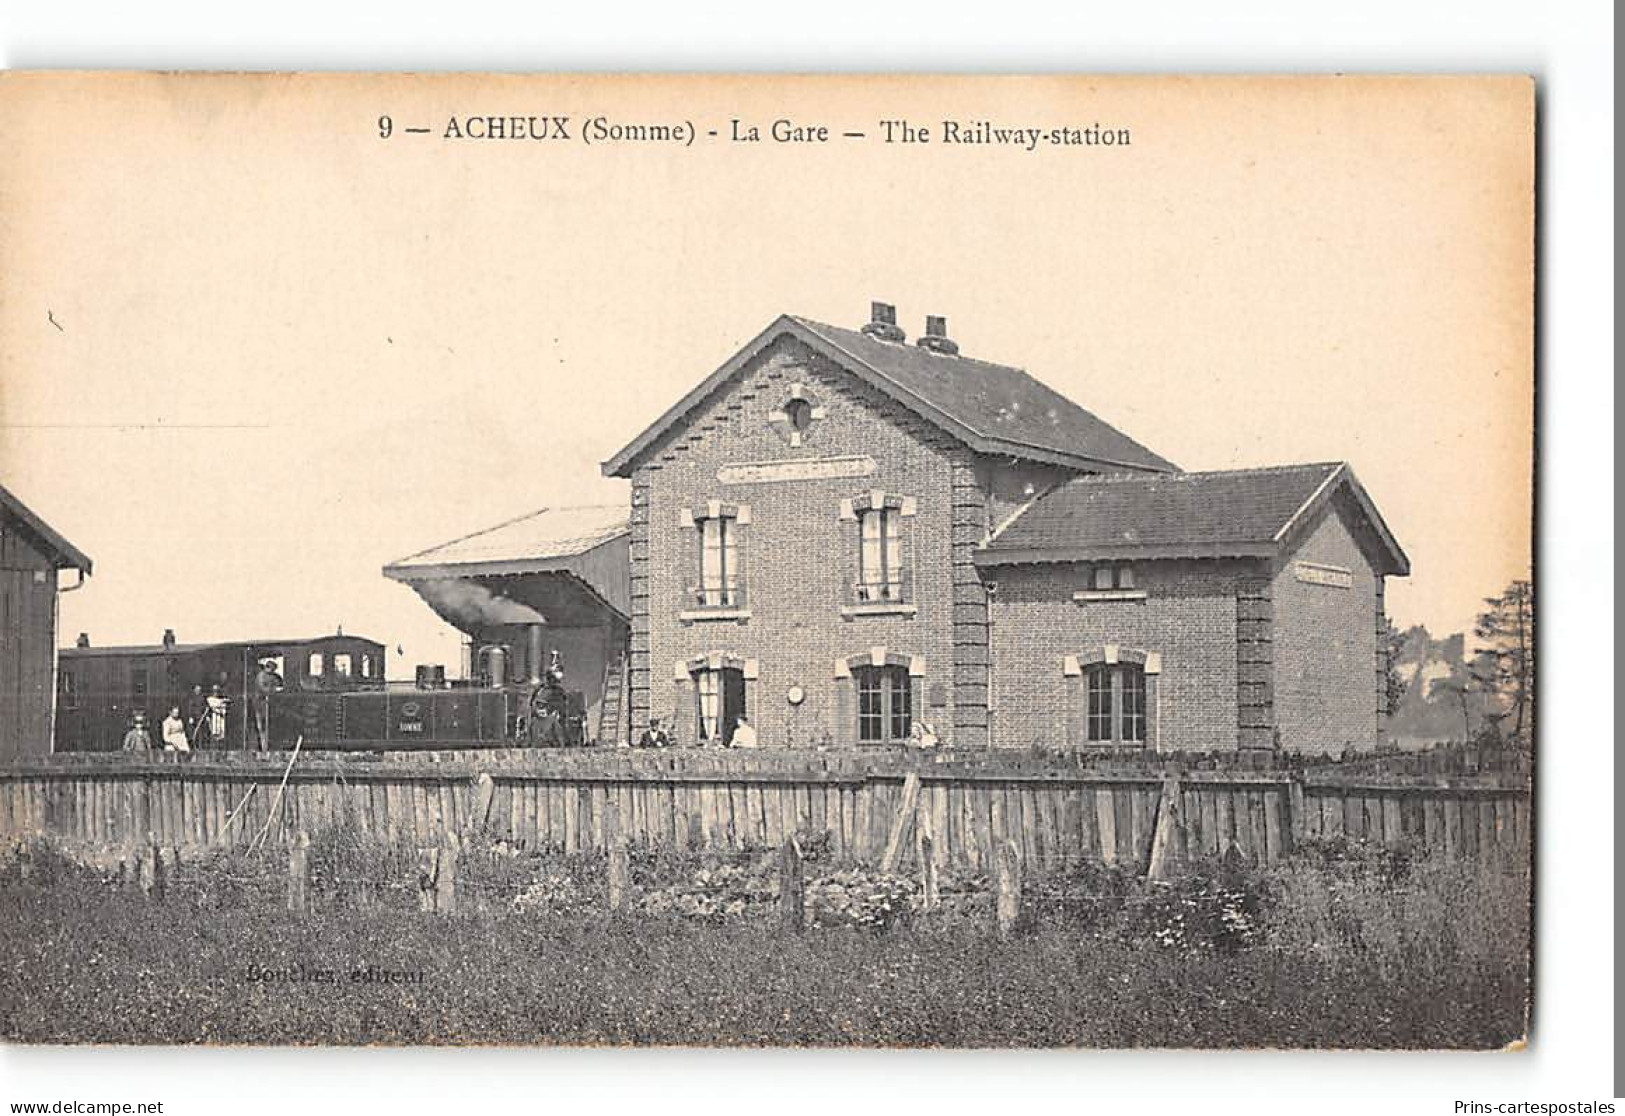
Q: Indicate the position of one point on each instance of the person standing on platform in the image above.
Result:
(197, 712)
(216, 706)
(138, 739)
(266, 683)
(174, 731)
(655, 735)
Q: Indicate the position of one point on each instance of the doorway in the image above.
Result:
(721, 695)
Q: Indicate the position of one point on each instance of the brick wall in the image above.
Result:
(799, 556)
(1188, 618)
(1325, 642)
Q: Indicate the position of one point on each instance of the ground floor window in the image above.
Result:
(885, 704)
(720, 694)
(1116, 696)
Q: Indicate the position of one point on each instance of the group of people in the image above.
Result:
(922, 734)
(202, 726)
(658, 736)
(202, 723)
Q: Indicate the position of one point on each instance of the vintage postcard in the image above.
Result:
(760, 561)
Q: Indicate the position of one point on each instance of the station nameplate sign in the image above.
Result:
(1318, 573)
(800, 469)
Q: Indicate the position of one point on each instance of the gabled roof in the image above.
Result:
(1233, 513)
(532, 543)
(63, 554)
(992, 408)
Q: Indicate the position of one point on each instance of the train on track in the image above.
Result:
(332, 696)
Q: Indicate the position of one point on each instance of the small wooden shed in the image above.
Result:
(32, 555)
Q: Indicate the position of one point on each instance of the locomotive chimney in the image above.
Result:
(169, 639)
(83, 640)
(936, 337)
(535, 633)
(883, 322)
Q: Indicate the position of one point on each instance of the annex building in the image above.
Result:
(841, 533)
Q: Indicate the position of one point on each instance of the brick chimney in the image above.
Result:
(883, 323)
(936, 337)
(169, 639)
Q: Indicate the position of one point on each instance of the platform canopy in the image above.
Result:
(559, 566)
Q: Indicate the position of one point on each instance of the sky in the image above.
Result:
(251, 351)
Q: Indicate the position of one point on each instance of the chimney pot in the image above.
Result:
(883, 322)
(169, 639)
(936, 337)
(83, 640)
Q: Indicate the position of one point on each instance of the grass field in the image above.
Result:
(1344, 957)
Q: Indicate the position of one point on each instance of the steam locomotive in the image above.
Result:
(537, 713)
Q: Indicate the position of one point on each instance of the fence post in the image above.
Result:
(445, 877)
(792, 895)
(1165, 838)
(899, 823)
(299, 874)
(1007, 900)
(619, 869)
(428, 870)
(485, 790)
(925, 853)
(152, 870)
(1295, 798)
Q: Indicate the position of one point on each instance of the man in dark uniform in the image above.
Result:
(266, 683)
(655, 736)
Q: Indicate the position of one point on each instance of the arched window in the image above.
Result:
(885, 703)
(1116, 703)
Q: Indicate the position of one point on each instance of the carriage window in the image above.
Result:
(316, 665)
(885, 704)
(70, 690)
(138, 682)
(341, 664)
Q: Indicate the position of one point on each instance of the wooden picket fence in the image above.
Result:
(867, 806)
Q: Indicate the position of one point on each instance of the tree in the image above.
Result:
(1393, 645)
(1460, 691)
(1505, 662)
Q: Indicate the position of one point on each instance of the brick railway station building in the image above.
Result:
(840, 533)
